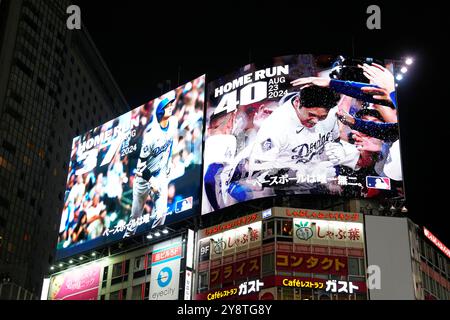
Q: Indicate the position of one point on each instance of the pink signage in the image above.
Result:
(77, 284)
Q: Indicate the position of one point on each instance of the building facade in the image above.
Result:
(293, 254)
(153, 270)
(53, 86)
(280, 253)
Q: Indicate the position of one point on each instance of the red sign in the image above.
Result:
(235, 271)
(436, 241)
(227, 293)
(231, 225)
(325, 215)
(310, 283)
(166, 254)
(311, 263)
(231, 292)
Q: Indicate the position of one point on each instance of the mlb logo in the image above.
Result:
(267, 145)
(380, 183)
(184, 205)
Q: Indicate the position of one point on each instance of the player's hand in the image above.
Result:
(311, 81)
(380, 76)
(345, 117)
(335, 153)
(369, 144)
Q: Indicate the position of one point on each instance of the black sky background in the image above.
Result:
(144, 43)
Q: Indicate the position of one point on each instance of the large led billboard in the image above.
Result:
(139, 171)
(303, 124)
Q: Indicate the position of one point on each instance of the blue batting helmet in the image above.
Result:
(163, 104)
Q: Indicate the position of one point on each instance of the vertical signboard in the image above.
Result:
(45, 287)
(188, 285)
(165, 279)
(190, 249)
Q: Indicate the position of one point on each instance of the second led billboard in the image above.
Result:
(139, 171)
(303, 124)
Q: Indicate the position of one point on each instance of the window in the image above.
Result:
(24, 68)
(268, 229)
(136, 294)
(354, 267)
(117, 270)
(268, 264)
(284, 230)
(285, 293)
(9, 147)
(115, 295)
(139, 263)
(105, 277)
(120, 272)
(203, 281)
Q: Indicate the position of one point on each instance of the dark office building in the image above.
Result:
(53, 86)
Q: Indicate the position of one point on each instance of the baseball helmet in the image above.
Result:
(163, 104)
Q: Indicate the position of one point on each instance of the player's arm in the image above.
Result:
(348, 88)
(384, 131)
(142, 169)
(210, 183)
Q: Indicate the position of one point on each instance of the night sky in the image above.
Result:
(144, 45)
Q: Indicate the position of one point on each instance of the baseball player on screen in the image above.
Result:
(153, 168)
(302, 136)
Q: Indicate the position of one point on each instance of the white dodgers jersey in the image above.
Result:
(283, 142)
(157, 145)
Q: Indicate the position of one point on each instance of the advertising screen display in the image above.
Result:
(77, 284)
(137, 172)
(304, 124)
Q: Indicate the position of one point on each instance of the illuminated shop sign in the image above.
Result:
(311, 263)
(231, 224)
(333, 286)
(243, 289)
(436, 241)
(235, 271)
(329, 233)
(231, 241)
(318, 214)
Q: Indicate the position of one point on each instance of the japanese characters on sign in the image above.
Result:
(235, 271)
(77, 284)
(318, 214)
(329, 233)
(341, 286)
(117, 162)
(231, 224)
(243, 289)
(297, 283)
(165, 277)
(229, 242)
(333, 286)
(436, 241)
(311, 263)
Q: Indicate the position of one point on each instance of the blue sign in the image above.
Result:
(164, 277)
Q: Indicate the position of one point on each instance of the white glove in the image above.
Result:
(335, 153)
(155, 188)
(343, 154)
